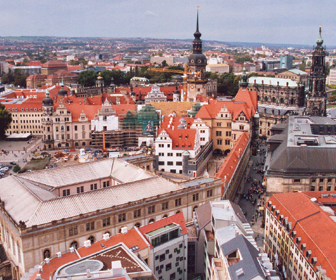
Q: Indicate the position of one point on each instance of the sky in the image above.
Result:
(267, 21)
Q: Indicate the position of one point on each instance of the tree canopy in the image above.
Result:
(87, 78)
(17, 78)
(5, 120)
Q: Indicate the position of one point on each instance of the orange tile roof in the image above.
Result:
(74, 67)
(175, 121)
(245, 102)
(312, 224)
(182, 139)
(177, 219)
(53, 63)
(130, 239)
(230, 163)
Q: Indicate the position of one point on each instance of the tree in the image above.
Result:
(87, 78)
(242, 58)
(16, 168)
(5, 120)
(228, 84)
(164, 63)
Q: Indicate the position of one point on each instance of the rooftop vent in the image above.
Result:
(124, 230)
(106, 236)
(59, 254)
(87, 243)
(239, 272)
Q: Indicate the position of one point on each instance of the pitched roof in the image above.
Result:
(316, 227)
(175, 121)
(182, 139)
(230, 163)
(177, 219)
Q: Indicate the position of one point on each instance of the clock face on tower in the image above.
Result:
(192, 61)
(199, 61)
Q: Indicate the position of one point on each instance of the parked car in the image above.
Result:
(13, 163)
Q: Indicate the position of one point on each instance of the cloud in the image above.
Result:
(150, 13)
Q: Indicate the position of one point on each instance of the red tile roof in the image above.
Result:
(312, 224)
(130, 239)
(231, 161)
(175, 122)
(182, 139)
(53, 63)
(244, 102)
(177, 219)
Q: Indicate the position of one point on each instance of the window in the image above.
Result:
(162, 257)
(227, 142)
(195, 197)
(297, 180)
(93, 187)
(89, 226)
(80, 189)
(168, 266)
(106, 222)
(161, 163)
(170, 163)
(178, 202)
(165, 205)
(179, 163)
(228, 124)
(209, 193)
(161, 154)
(172, 276)
(66, 192)
(73, 231)
(178, 154)
(46, 254)
(91, 238)
(137, 213)
(218, 124)
(241, 127)
(122, 217)
(219, 142)
(151, 209)
(75, 127)
(218, 133)
(320, 188)
(228, 133)
(74, 244)
(170, 154)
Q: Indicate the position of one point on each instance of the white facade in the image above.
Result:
(155, 95)
(169, 158)
(105, 123)
(203, 130)
(331, 79)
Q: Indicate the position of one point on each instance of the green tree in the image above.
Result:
(16, 168)
(87, 78)
(5, 120)
(164, 63)
(242, 58)
(228, 84)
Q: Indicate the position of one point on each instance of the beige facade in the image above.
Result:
(70, 225)
(26, 122)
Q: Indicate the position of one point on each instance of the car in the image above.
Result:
(13, 163)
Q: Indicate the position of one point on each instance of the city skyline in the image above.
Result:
(271, 22)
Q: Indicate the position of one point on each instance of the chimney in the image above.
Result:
(87, 243)
(106, 236)
(117, 269)
(59, 254)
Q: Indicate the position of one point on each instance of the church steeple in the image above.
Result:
(197, 43)
(317, 97)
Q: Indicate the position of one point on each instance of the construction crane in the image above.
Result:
(185, 73)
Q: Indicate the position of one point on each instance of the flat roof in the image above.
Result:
(161, 229)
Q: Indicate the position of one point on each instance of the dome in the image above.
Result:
(47, 101)
(319, 40)
(62, 92)
(197, 59)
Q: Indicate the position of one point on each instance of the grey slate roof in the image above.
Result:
(249, 262)
(291, 158)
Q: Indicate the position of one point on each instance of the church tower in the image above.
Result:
(317, 98)
(196, 79)
(47, 121)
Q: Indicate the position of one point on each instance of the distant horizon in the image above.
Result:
(238, 44)
(270, 22)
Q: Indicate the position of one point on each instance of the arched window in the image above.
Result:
(137, 225)
(151, 221)
(178, 212)
(109, 233)
(46, 253)
(92, 239)
(195, 208)
(74, 244)
(76, 144)
(164, 216)
(59, 145)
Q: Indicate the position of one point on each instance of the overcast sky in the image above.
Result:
(267, 21)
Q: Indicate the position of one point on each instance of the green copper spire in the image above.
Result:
(319, 40)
